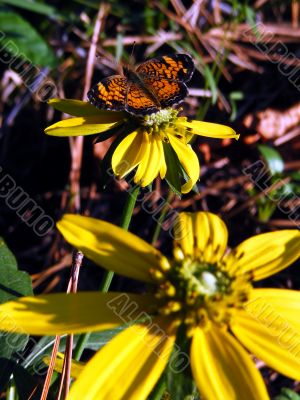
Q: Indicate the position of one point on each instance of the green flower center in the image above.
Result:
(200, 293)
(162, 117)
(164, 123)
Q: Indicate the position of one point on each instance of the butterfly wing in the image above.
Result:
(177, 67)
(139, 101)
(110, 93)
(167, 92)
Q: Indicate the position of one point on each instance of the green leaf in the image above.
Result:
(99, 339)
(273, 159)
(180, 383)
(173, 169)
(22, 41)
(295, 175)
(33, 6)
(13, 283)
(212, 84)
(287, 394)
(44, 346)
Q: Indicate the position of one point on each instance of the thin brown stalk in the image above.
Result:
(72, 288)
(50, 369)
(76, 143)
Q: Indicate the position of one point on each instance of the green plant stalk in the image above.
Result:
(108, 276)
(159, 389)
(11, 393)
(162, 217)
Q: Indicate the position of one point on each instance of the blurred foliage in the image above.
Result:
(273, 175)
(287, 394)
(13, 283)
(57, 35)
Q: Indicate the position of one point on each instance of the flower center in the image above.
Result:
(164, 123)
(200, 293)
(162, 117)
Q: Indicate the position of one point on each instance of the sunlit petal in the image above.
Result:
(222, 369)
(270, 335)
(285, 301)
(202, 235)
(60, 313)
(209, 129)
(149, 166)
(128, 154)
(264, 255)
(110, 246)
(82, 126)
(79, 108)
(161, 157)
(128, 366)
(76, 366)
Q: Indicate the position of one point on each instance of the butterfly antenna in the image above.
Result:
(132, 50)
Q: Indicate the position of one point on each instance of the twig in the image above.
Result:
(50, 369)
(38, 278)
(76, 143)
(72, 288)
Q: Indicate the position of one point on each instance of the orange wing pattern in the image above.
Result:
(109, 94)
(178, 67)
(167, 92)
(139, 101)
(156, 84)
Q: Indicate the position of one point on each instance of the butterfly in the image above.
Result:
(155, 84)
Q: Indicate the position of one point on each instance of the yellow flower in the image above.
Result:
(204, 288)
(154, 145)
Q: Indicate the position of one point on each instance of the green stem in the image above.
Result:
(108, 275)
(159, 389)
(11, 393)
(129, 207)
(161, 218)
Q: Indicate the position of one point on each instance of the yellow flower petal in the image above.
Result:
(222, 369)
(285, 302)
(202, 235)
(264, 255)
(128, 366)
(82, 126)
(82, 109)
(128, 154)
(110, 246)
(149, 166)
(188, 160)
(76, 366)
(57, 314)
(209, 129)
(161, 157)
(270, 336)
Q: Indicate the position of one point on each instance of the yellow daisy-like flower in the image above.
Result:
(204, 289)
(153, 145)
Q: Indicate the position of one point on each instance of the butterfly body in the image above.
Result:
(155, 84)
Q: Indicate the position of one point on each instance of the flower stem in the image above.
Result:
(108, 276)
(162, 216)
(159, 389)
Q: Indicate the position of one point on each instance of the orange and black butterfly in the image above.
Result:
(153, 85)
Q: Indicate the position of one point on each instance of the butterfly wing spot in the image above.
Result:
(109, 94)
